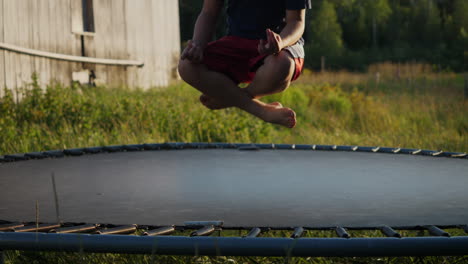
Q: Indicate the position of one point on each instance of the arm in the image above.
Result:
(203, 31)
(291, 33)
(294, 29)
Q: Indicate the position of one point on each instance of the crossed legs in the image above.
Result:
(219, 91)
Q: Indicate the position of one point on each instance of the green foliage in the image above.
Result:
(325, 34)
(353, 34)
(58, 117)
(325, 30)
(335, 103)
(460, 19)
(425, 24)
(189, 10)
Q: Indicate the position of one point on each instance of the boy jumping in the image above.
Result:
(263, 47)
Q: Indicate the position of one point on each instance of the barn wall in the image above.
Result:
(109, 40)
(167, 53)
(153, 37)
(145, 30)
(2, 53)
(42, 25)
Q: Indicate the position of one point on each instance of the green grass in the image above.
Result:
(392, 114)
(426, 111)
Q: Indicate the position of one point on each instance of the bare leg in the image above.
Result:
(273, 76)
(224, 90)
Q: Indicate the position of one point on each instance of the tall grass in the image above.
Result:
(430, 113)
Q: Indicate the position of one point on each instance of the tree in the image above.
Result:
(326, 33)
(460, 15)
(377, 13)
(352, 19)
(189, 11)
(460, 32)
(425, 24)
(362, 20)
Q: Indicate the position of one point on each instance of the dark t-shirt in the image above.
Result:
(250, 18)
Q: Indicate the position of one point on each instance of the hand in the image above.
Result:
(193, 52)
(273, 44)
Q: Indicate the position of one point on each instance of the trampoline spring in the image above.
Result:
(343, 148)
(166, 230)
(323, 147)
(283, 146)
(10, 227)
(435, 231)
(204, 231)
(389, 232)
(37, 228)
(456, 155)
(302, 147)
(298, 231)
(75, 229)
(366, 149)
(389, 150)
(254, 232)
(341, 232)
(118, 230)
(415, 152)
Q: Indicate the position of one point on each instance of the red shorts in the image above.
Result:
(239, 59)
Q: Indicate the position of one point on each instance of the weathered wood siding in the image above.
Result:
(41, 25)
(153, 36)
(145, 30)
(2, 53)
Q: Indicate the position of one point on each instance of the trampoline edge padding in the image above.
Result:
(200, 145)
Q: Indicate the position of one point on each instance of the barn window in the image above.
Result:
(88, 16)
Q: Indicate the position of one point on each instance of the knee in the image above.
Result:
(186, 70)
(282, 66)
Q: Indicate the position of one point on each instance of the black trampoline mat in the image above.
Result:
(242, 188)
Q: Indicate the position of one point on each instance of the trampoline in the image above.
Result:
(242, 185)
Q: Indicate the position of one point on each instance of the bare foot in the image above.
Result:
(213, 104)
(276, 104)
(279, 115)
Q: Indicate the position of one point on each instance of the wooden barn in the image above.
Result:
(134, 43)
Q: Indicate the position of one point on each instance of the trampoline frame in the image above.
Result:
(439, 244)
(237, 246)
